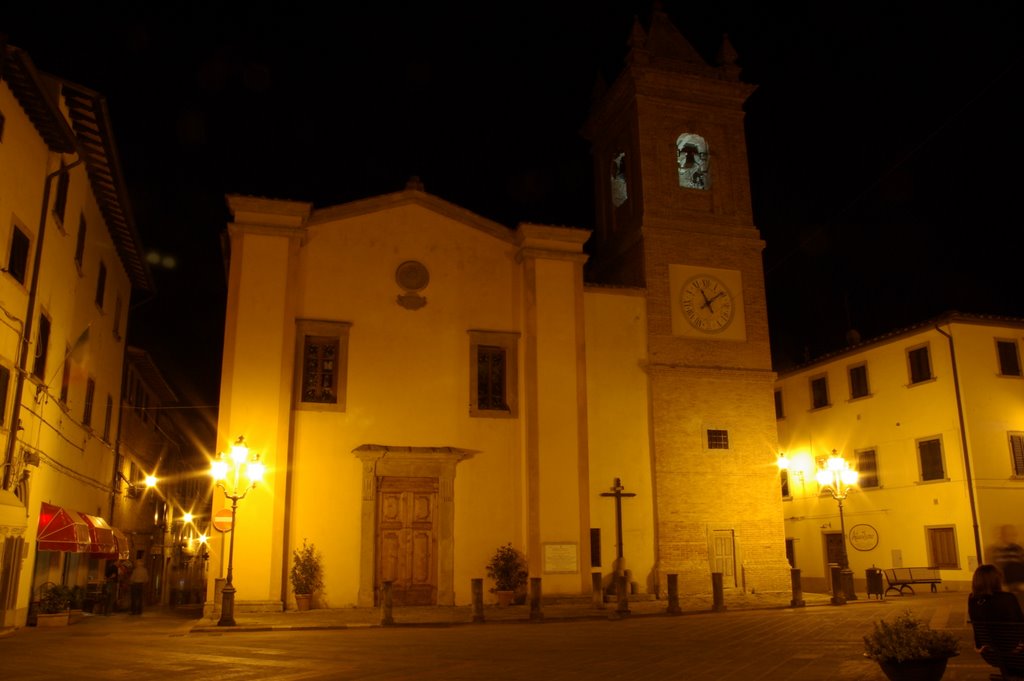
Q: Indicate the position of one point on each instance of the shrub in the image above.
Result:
(508, 569)
(307, 573)
(908, 638)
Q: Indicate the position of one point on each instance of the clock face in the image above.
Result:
(706, 303)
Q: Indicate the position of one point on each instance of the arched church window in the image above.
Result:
(619, 190)
(692, 161)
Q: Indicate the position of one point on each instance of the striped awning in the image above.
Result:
(62, 530)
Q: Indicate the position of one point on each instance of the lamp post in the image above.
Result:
(229, 474)
(838, 478)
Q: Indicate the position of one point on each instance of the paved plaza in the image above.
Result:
(757, 637)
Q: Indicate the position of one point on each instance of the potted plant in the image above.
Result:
(54, 604)
(508, 569)
(907, 649)
(307, 574)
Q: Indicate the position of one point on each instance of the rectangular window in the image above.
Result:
(819, 392)
(5, 383)
(17, 259)
(108, 415)
(867, 468)
(2, 120)
(858, 381)
(65, 379)
(42, 346)
(718, 439)
(1009, 358)
(80, 242)
(595, 547)
(101, 285)
(930, 455)
(117, 317)
(779, 412)
(490, 378)
(920, 365)
(493, 374)
(1017, 454)
(785, 484)
(942, 551)
(90, 393)
(322, 358)
(60, 200)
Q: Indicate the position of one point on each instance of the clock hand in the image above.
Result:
(708, 301)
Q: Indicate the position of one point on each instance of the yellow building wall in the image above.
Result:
(891, 421)
(618, 421)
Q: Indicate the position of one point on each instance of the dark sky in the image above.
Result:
(884, 138)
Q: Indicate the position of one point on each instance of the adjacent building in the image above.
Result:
(71, 260)
(932, 418)
(425, 385)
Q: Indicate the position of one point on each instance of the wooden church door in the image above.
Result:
(407, 539)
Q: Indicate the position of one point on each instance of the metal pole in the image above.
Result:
(845, 573)
(227, 613)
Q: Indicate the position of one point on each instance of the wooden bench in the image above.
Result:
(902, 579)
(1003, 647)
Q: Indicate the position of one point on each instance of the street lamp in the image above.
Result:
(838, 478)
(229, 474)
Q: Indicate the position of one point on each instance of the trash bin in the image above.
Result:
(873, 576)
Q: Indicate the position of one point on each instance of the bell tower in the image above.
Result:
(674, 218)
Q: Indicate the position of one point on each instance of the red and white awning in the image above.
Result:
(61, 529)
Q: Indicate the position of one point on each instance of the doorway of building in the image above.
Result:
(833, 554)
(723, 556)
(407, 539)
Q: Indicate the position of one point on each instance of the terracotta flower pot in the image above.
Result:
(931, 669)
(302, 601)
(504, 598)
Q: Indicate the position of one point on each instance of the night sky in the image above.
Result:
(884, 138)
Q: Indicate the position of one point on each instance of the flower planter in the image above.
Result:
(504, 598)
(302, 601)
(54, 619)
(931, 669)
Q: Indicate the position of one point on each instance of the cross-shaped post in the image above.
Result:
(618, 493)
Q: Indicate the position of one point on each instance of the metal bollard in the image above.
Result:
(595, 584)
(385, 604)
(673, 595)
(477, 591)
(535, 614)
(798, 592)
(718, 594)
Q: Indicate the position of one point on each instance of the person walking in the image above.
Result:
(139, 580)
(110, 587)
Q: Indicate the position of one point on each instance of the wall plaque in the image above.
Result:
(561, 557)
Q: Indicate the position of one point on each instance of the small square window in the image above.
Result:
(1009, 358)
(819, 392)
(718, 439)
(920, 365)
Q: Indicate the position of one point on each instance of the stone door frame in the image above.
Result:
(413, 462)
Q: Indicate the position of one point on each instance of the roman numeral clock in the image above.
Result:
(707, 302)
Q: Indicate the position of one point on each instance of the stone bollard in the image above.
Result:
(477, 591)
(622, 591)
(718, 594)
(385, 604)
(595, 584)
(837, 585)
(673, 595)
(535, 613)
(798, 591)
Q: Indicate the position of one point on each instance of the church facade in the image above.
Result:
(424, 385)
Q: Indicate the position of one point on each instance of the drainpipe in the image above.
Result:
(963, 443)
(19, 382)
